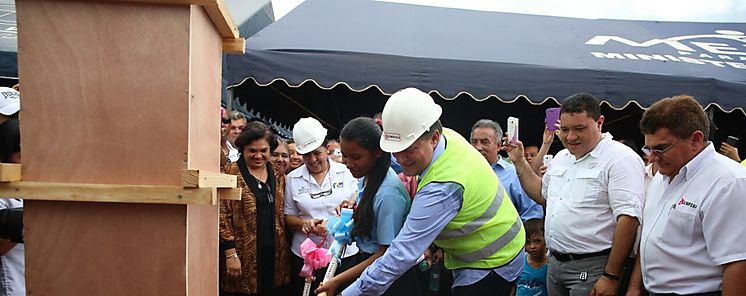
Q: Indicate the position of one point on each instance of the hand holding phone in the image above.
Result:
(512, 130)
(553, 114)
(733, 141)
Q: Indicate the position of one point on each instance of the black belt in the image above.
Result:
(567, 257)
(718, 293)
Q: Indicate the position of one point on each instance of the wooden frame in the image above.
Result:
(10, 172)
(109, 193)
(198, 187)
(202, 179)
(106, 210)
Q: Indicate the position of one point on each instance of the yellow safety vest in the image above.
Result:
(487, 232)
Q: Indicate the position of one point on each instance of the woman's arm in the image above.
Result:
(546, 142)
(232, 263)
(296, 223)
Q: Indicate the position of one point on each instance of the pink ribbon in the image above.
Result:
(314, 257)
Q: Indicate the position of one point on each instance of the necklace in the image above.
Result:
(323, 175)
(258, 174)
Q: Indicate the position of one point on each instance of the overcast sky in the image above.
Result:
(659, 10)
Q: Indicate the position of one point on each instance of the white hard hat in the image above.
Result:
(308, 135)
(408, 114)
(10, 101)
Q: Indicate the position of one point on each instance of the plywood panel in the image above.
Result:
(204, 100)
(105, 91)
(202, 250)
(81, 248)
(204, 119)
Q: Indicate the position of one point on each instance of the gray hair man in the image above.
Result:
(486, 137)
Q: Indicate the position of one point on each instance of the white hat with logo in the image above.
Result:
(308, 135)
(10, 101)
(408, 114)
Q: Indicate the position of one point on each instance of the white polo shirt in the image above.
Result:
(693, 225)
(585, 196)
(232, 152)
(307, 199)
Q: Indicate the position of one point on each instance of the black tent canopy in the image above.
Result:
(389, 46)
(8, 40)
(338, 59)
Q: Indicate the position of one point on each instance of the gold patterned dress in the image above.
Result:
(238, 223)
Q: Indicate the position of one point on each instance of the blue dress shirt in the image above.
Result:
(527, 207)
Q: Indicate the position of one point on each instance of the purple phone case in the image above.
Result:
(553, 115)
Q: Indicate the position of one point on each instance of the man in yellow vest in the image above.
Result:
(460, 205)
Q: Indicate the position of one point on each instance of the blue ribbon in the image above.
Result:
(339, 228)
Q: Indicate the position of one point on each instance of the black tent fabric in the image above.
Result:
(453, 52)
(8, 40)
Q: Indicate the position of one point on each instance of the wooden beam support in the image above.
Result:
(221, 19)
(234, 45)
(229, 193)
(202, 179)
(109, 193)
(10, 172)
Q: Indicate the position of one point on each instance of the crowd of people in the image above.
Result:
(600, 217)
(437, 213)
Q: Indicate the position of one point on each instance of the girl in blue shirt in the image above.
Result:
(382, 204)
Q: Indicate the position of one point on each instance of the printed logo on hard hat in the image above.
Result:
(10, 95)
(306, 144)
(394, 137)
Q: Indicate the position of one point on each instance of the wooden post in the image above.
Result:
(120, 93)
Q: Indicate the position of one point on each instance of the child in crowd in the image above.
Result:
(533, 280)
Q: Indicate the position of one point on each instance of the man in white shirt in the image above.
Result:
(237, 121)
(693, 240)
(593, 194)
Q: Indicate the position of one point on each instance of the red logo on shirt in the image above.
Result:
(683, 201)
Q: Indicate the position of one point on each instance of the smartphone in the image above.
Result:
(733, 141)
(512, 130)
(553, 114)
(547, 159)
(337, 152)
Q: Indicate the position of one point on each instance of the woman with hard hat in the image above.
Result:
(382, 205)
(252, 230)
(312, 193)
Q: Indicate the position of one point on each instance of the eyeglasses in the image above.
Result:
(321, 194)
(658, 152)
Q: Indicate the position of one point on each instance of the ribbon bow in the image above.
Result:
(339, 228)
(314, 257)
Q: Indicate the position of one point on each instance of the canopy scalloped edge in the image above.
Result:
(458, 94)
